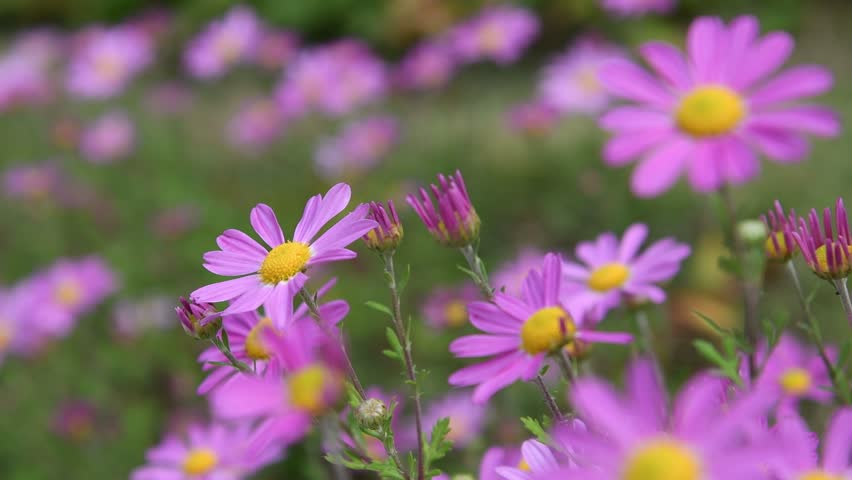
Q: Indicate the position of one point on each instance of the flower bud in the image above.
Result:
(371, 413)
(451, 219)
(778, 244)
(752, 232)
(199, 320)
(388, 234)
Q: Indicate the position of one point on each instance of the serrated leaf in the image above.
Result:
(535, 427)
(380, 307)
(438, 445)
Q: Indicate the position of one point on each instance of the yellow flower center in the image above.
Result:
(308, 387)
(796, 381)
(458, 428)
(491, 38)
(5, 336)
(662, 460)
(200, 461)
(255, 344)
(68, 293)
(608, 276)
(228, 47)
(456, 313)
(841, 267)
(709, 111)
(546, 330)
(587, 79)
(523, 465)
(819, 475)
(783, 252)
(109, 67)
(284, 261)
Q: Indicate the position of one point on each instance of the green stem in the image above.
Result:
(241, 366)
(647, 340)
(408, 359)
(843, 290)
(549, 400)
(476, 266)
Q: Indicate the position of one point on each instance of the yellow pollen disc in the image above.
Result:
(68, 293)
(523, 465)
(588, 81)
(546, 330)
(255, 346)
(662, 460)
(608, 276)
(307, 388)
(822, 260)
(783, 251)
(456, 313)
(709, 111)
(227, 47)
(5, 337)
(108, 67)
(458, 428)
(200, 461)
(284, 261)
(491, 38)
(796, 381)
(819, 475)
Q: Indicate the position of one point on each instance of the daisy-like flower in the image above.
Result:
(246, 337)
(17, 335)
(223, 44)
(453, 221)
(794, 372)
(634, 8)
(536, 459)
(633, 436)
(800, 459)
(273, 277)
(827, 254)
(612, 272)
(709, 114)
(215, 451)
(305, 381)
(427, 66)
(23, 81)
(521, 332)
(570, 83)
(358, 148)
(108, 139)
(780, 245)
(496, 457)
(501, 34)
(257, 124)
(33, 182)
(447, 307)
(107, 61)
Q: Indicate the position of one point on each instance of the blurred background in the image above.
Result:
(134, 132)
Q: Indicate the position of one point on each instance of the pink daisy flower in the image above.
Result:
(429, 65)
(799, 458)
(258, 123)
(709, 114)
(500, 33)
(107, 61)
(208, 452)
(224, 43)
(521, 332)
(611, 272)
(108, 139)
(273, 277)
(447, 307)
(794, 371)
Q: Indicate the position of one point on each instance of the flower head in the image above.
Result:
(223, 44)
(709, 115)
(521, 332)
(794, 372)
(611, 272)
(427, 66)
(827, 254)
(23, 81)
(499, 33)
(36, 182)
(18, 335)
(780, 245)
(199, 320)
(447, 307)
(212, 451)
(107, 60)
(108, 139)
(799, 458)
(358, 148)
(272, 277)
(453, 222)
(388, 233)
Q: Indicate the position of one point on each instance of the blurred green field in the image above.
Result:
(547, 192)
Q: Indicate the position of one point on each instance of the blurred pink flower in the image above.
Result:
(18, 335)
(534, 118)
(358, 148)
(23, 81)
(637, 7)
(106, 60)
(500, 33)
(257, 124)
(427, 66)
(75, 420)
(33, 182)
(276, 49)
(224, 43)
(176, 221)
(511, 274)
(109, 138)
(467, 420)
(447, 307)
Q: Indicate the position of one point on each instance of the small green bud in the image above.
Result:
(371, 413)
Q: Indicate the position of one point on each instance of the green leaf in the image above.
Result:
(391, 354)
(393, 340)
(403, 281)
(438, 445)
(715, 326)
(536, 428)
(709, 352)
(380, 307)
(225, 340)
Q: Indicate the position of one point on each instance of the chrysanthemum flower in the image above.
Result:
(521, 332)
(794, 372)
(780, 245)
(223, 44)
(359, 147)
(453, 221)
(306, 381)
(499, 33)
(570, 83)
(427, 66)
(798, 458)
(496, 457)
(273, 277)
(108, 139)
(447, 307)
(634, 8)
(107, 61)
(612, 272)
(246, 337)
(389, 232)
(635, 437)
(210, 452)
(17, 336)
(827, 255)
(709, 115)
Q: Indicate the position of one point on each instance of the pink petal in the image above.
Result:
(668, 62)
(778, 145)
(631, 119)
(333, 255)
(319, 212)
(227, 290)
(811, 119)
(704, 44)
(600, 406)
(250, 300)
(493, 384)
(266, 225)
(350, 228)
(278, 304)
(538, 456)
(741, 34)
(704, 174)
(477, 373)
(659, 170)
(235, 241)
(631, 241)
(247, 396)
(762, 59)
(230, 264)
(591, 336)
(625, 147)
(483, 345)
(625, 79)
(797, 82)
(490, 319)
(838, 441)
(513, 306)
(739, 162)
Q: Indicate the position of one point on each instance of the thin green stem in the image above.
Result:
(477, 267)
(314, 311)
(646, 338)
(241, 366)
(843, 290)
(549, 400)
(408, 359)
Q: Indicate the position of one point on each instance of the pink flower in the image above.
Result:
(521, 332)
(709, 114)
(109, 138)
(106, 62)
(637, 7)
(41, 181)
(447, 307)
(798, 458)
(570, 82)
(23, 81)
(612, 273)
(429, 65)
(258, 124)
(795, 372)
(534, 118)
(828, 254)
(208, 452)
(500, 33)
(224, 43)
(273, 277)
(467, 420)
(276, 49)
(359, 147)
(18, 335)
